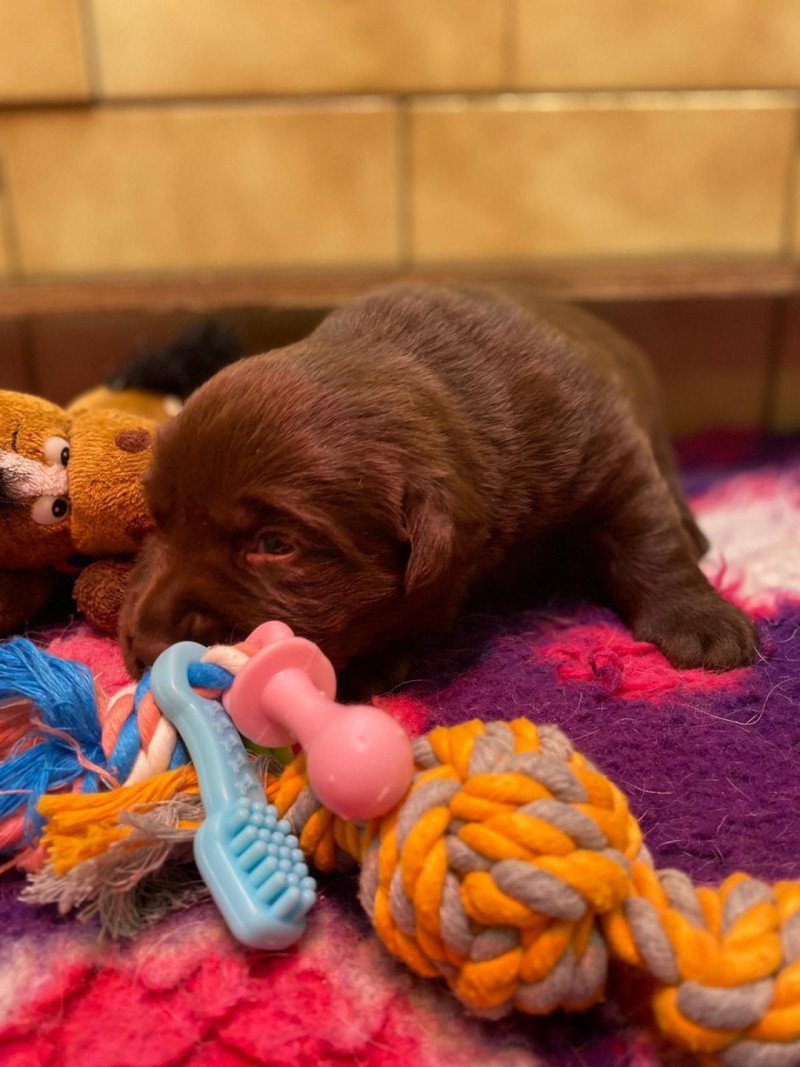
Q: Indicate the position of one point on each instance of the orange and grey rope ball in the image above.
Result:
(515, 870)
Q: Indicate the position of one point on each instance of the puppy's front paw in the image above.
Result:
(704, 632)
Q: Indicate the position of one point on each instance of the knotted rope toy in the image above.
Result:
(514, 870)
(77, 738)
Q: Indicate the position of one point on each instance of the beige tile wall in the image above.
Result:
(171, 47)
(168, 135)
(498, 181)
(176, 187)
(42, 53)
(656, 44)
(242, 133)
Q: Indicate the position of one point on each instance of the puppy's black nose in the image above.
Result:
(145, 651)
(204, 627)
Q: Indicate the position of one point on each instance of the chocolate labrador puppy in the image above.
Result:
(421, 443)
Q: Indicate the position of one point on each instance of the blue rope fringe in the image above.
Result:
(64, 693)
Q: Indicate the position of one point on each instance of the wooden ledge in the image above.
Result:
(595, 281)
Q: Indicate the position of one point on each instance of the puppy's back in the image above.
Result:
(462, 334)
(520, 371)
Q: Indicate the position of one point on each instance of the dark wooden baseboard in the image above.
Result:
(569, 280)
(724, 334)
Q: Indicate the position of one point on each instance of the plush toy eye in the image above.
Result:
(48, 510)
(270, 546)
(56, 450)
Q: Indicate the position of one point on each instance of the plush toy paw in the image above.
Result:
(100, 590)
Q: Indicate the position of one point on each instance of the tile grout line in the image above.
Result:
(510, 50)
(403, 193)
(543, 100)
(90, 51)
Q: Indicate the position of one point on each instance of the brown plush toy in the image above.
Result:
(71, 499)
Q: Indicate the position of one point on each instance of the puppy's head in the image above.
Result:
(285, 491)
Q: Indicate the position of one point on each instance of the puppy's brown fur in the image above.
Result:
(421, 442)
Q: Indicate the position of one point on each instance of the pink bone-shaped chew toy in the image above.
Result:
(358, 757)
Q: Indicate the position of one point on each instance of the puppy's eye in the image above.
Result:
(270, 546)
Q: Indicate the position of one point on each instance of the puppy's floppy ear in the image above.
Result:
(432, 535)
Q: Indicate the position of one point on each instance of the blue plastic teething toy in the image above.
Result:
(248, 857)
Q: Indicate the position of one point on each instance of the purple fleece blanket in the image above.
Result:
(711, 764)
